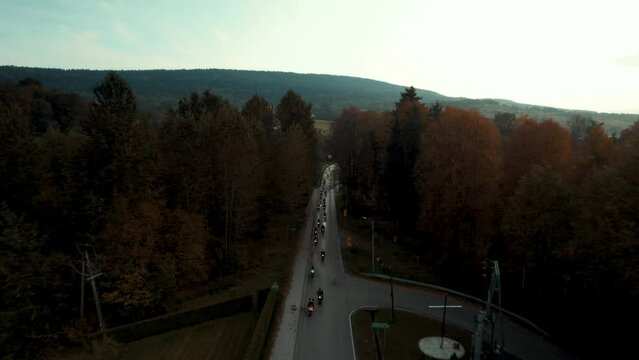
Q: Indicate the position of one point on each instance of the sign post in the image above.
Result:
(445, 306)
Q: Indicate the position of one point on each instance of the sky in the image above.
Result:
(561, 53)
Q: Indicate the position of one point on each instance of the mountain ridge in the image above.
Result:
(159, 89)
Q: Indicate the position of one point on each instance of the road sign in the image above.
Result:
(377, 325)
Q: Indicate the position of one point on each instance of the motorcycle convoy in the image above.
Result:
(310, 307)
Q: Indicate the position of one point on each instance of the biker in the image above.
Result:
(323, 254)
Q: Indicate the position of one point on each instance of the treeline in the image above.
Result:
(163, 203)
(557, 206)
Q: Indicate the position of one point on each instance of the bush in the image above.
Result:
(164, 323)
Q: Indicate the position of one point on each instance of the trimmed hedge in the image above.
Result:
(168, 322)
(254, 350)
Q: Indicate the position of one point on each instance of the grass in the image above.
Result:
(323, 126)
(402, 336)
(206, 341)
(225, 338)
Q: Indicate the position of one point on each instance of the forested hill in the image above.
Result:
(329, 94)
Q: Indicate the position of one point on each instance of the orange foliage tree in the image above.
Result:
(543, 143)
(458, 171)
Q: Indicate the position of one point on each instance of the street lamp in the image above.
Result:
(372, 243)
(392, 297)
(288, 230)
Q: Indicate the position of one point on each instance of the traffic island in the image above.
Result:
(399, 339)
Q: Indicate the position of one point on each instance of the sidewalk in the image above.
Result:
(284, 347)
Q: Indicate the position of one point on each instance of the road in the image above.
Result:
(327, 335)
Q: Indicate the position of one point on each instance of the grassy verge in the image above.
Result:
(402, 336)
(391, 254)
(207, 341)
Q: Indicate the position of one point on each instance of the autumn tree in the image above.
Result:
(225, 179)
(292, 170)
(543, 143)
(537, 225)
(595, 151)
(457, 177)
(356, 145)
(149, 253)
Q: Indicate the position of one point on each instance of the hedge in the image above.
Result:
(254, 350)
(168, 322)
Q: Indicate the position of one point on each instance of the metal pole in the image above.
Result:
(392, 297)
(441, 344)
(373, 244)
(82, 290)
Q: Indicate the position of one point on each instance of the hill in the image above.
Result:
(329, 94)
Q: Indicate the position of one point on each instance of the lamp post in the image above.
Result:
(288, 230)
(392, 297)
(372, 243)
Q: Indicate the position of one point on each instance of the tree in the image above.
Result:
(18, 158)
(409, 120)
(579, 127)
(356, 147)
(457, 177)
(292, 110)
(537, 221)
(543, 143)
(505, 123)
(434, 110)
(259, 110)
(34, 288)
(293, 169)
(595, 151)
(150, 252)
(109, 126)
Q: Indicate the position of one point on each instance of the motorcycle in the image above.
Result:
(323, 229)
(312, 271)
(310, 308)
(323, 255)
(320, 297)
(315, 241)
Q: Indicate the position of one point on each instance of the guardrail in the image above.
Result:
(461, 294)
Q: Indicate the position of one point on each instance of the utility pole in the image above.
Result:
(87, 266)
(95, 290)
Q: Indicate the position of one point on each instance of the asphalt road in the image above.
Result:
(327, 335)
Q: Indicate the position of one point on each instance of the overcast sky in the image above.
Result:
(562, 53)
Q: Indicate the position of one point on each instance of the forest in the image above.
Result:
(555, 205)
(166, 201)
(163, 205)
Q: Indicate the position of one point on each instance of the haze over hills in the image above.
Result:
(157, 90)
